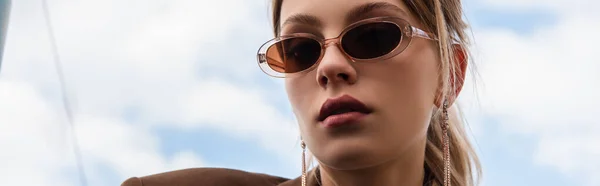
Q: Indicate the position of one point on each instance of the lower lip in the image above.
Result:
(343, 119)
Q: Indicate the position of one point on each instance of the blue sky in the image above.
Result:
(146, 76)
(522, 21)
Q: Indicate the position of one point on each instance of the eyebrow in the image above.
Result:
(361, 11)
(304, 19)
(354, 15)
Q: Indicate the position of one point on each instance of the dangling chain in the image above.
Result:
(303, 163)
(446, 141)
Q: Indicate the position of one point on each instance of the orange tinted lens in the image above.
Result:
(293, 54)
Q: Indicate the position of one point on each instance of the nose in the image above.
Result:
(335, 68)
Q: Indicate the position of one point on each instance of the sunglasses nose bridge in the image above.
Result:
(336, 41)
(330, 41)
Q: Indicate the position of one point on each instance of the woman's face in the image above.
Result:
(399, 91)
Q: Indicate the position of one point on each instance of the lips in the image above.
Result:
(342, 106)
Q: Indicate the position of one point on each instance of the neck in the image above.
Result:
(406, 170)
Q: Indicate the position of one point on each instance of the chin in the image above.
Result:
(350, 154)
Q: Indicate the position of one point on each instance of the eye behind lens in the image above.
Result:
(372, 40)
(293, 54)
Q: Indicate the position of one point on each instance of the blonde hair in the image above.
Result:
(444, 18)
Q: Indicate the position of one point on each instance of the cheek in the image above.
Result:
(418, 77)
(299, 95)
(411, 76)
(408, 85)
(423, 71)
(292, 92)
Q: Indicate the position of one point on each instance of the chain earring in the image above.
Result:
(446, 141)
(303, 145)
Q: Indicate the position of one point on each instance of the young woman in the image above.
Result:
(373, 84)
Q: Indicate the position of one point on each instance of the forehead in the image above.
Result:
(332, 13)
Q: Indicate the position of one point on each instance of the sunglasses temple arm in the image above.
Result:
(422, 34)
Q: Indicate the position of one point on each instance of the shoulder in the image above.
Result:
(205, 177)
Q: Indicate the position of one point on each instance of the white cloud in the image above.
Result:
(546, 85)
(29, 133)
(129, 149)
(573, 7)
(242, 113)
(36, 152)
(120, 55)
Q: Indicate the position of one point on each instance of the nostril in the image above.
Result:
(340, 77)
(323, 80)
(344, 76)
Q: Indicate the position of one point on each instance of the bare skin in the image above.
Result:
(387, 147)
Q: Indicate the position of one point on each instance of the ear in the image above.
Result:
(457, 78)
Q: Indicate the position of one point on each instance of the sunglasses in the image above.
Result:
(371, 39)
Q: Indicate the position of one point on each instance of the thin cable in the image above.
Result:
(65, 99)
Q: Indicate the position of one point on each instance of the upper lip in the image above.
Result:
(343, 103)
